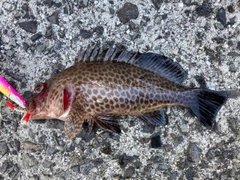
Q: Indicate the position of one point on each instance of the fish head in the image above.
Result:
(49, 101)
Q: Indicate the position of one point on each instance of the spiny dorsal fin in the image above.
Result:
(157, 63)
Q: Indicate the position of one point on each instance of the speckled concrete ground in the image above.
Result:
(41, 38)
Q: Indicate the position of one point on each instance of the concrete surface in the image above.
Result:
(41, 38)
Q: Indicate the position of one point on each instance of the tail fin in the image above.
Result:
(206, 105)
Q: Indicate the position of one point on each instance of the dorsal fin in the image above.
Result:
(157, 63)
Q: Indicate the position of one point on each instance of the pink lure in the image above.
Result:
(11, 93)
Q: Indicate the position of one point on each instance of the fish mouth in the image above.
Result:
(26, 117)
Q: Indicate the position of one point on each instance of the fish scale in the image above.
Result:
(104, 84)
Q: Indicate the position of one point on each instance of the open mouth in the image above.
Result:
(26, 117)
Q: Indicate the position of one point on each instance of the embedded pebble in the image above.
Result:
(3, 148)
(156, 141)
(29, 26)
(194, 153)
(53, 18)
(221, 16)
(127, 12)
(8, 6)
(85, 33)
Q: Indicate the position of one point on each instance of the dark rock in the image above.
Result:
(98, 161)
(5, 166)
(156, 141)
(30, 26)
(232, 68)
(17, 77)
(188, 175)
(23, 85)
(106, 149)
(48, 3)
(49, 32)
(57, 5)
(51, 150)
(27, 94)
(42, 139)
(230, 43)
(54, 18)
(157, 3)
(111, 11)
(233, 54)
(124, 159)
(221, 17)
(99, 30)
(36, 37)
(129, 172)
(25, 46)
(203, 10)
(219, 40)
(85, 33)
(3, 148)
(194, 153)
(201, 81)
(238, 45)
(127, 12)
(173, 175)
(230, 9)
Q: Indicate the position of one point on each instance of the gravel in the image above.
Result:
(38, 39)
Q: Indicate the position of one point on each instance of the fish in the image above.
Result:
(105, 84)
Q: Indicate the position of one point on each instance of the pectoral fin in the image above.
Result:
(108, 122)
(72, 127)
(156, 118)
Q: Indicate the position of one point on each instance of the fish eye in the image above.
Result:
(39, 87)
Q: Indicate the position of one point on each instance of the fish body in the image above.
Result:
(103, 85)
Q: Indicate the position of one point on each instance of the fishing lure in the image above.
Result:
(11, 93)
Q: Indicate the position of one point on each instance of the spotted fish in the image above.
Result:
(105, 84)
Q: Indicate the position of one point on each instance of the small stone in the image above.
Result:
(42, 46)
(156, 141)
(47, 164)
(51, 150)
(76, 168)
(148, 128)
(30, 26)
(87, 168)
(194, 153)
(129, 172)
(106, 149)
(25, 46)
(85, 33)
(54, 18)
(230, 9)
(49, 32)
(124, 159)
(221, 17)
(238, 45)
(203, 10)
(232, 68)
(8, 6)
(188, 175)
(127, 12)
(29, 161)
(3, 148)
(29, 146)
(5, 166)
(157, 3)
(233, 54)
(201, 81)
(99, 30)
(35, 37)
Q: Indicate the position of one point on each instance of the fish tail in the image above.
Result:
(205, 104)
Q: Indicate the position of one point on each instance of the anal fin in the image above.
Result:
(108, 122)
(156, 118)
